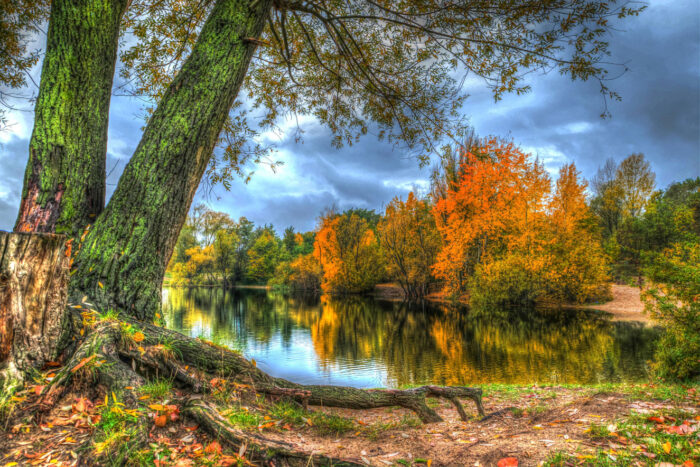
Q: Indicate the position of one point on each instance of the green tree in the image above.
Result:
(263, 257)
(635, 182)
(225, 243)
(606, 202)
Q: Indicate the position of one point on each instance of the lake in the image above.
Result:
(366, 342)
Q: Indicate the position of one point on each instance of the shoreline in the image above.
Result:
(626, 304)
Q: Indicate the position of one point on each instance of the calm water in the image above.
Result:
(365, 342)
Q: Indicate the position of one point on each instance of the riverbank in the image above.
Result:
(529, 426)
(626, 303)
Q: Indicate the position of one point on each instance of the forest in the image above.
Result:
(139, 329)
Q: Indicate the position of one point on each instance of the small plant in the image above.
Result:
(596, 430)
(158, 389)
(115, 432)
(109, 315)
(242, 417)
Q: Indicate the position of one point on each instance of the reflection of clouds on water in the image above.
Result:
(368, 343)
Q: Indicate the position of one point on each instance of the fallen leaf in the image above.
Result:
(667, 447)
(508, 462)
(82, 362)
(213, 448)
(138, 336)
(161, 420)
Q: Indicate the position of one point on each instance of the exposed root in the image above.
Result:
(95, 359)
(257, 447)
(215, 360)
(111, 356)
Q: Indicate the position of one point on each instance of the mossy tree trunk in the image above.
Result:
(122, 261)
(33, 291)
(64, 182)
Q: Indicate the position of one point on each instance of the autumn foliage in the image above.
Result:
(508, 239)
(410, 242)
(349, 254)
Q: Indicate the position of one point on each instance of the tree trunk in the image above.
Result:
(64, 182)
(122, 261)
(33, 290)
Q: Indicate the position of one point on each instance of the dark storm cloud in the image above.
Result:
(660, 110)
(559, 121)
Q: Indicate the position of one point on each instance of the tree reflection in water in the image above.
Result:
(366, 342)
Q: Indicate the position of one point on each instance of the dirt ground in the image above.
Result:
(527, 424)
(528, 429)
(626, 304)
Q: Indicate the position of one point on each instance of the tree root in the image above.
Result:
(110, 357)
(220, 361)
(272, 452)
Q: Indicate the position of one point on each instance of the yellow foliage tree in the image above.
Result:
(349, 255)
(410, 242)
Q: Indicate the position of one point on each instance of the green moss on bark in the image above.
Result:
(123, 259)
(64, 183)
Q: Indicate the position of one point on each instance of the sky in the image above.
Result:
(558, 121)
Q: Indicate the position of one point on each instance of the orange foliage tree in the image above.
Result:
(507, 239)
(349, 254)
(410, 242)
(496, 206)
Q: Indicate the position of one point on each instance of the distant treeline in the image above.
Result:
(493, 229)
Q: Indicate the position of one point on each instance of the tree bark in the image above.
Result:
(64, 182)
(33, 290)
(123, 259)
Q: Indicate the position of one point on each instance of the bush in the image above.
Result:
(303, 274)
(513, 280)
(674, 300)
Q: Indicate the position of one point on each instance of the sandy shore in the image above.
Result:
(626, 304)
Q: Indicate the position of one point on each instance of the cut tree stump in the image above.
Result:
(34, 273)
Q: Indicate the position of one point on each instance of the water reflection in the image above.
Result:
(364, 342)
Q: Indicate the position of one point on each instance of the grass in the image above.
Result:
(114, 434)
(157, 389)
(374, 430)
(323, 423)
(637, 440)
(243, 418)
(641, 391)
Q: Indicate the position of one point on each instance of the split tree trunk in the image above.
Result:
(33, 289)
(122, 261)
(64, 182)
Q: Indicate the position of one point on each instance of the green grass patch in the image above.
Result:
(243, 418)
(324, 423)
(114, 434)
(157, 389)
(639, 439)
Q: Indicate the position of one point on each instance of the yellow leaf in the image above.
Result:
(156, 407)
(114, 397)
(143, 398)
(667, 447)
(138, 336)
(102, 286)
(252, 360)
